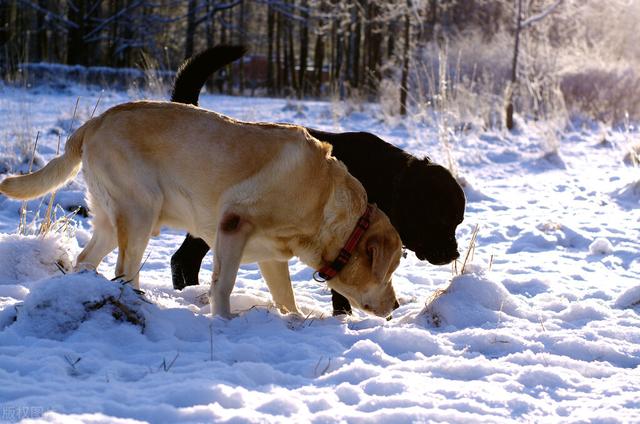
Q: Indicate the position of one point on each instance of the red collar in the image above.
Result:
(327, 272)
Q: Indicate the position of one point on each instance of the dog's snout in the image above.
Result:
(396, 305)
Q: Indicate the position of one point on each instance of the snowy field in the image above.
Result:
(542, 326)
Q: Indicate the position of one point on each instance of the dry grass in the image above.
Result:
(632, 157)
(22, 226)
(55, 219)
(156, 85)
(468, 256)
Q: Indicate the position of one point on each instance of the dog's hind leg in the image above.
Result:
(186, 262)
(276, 275)
(102, 242)
(134, 228)
(232, 236)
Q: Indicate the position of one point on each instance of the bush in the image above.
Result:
(607, 95)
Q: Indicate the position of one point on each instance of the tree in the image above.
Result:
(191, 28)
(304, 48)
(521, 25)
(404, 84)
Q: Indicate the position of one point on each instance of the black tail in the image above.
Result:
(193, 72)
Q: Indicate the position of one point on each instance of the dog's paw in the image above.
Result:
(202, 299)
(225, 317)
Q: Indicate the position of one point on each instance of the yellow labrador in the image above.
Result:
(256, 192)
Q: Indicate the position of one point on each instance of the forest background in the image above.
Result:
(475, 60)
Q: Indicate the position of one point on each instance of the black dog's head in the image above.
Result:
(428, 206)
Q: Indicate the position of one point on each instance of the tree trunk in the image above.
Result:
(75, 44)
(374, 49)
(514, 69)
(270, 70)
(427, 32)
(11, 36)
(333, 57)
(128, 36)
(241, 36)
(191, 28)
(279, 72)
(391, 40)
(353, 61)
(405, 65)
(210, 29)
(304, 49)
(318, 58)
(292, 59)
(42, 52)
(339, 71)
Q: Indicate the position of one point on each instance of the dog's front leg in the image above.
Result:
(232, 236)
(276, 275)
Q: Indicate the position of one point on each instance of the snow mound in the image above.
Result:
(551, 160)
(470, 192)
(96, 418)
(58, 306)
(632, 157)
(629, 299)
(473, 300)
(629, 193)
(548, 236)
(601, 246)
(28, 258)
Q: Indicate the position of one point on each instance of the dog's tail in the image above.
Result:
(52, 176)
(193, 72)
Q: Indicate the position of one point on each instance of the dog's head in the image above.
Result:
(366, 279)
(428, 206)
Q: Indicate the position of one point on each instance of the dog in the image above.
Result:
(257, 192)
(423, 200)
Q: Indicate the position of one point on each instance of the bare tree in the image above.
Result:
(404, 84)
(519, 26)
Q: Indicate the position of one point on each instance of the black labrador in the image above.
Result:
(423, 200)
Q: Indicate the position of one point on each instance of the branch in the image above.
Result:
(50, 14)
(112, 18)
(540, 16)
(217, 8)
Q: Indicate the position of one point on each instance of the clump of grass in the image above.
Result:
(442, 109)
(22, 226)
(632, 157)
(50, 222)
(55, 219)
(120, 311)
(46, 224)
(155, 85)
(468, 257)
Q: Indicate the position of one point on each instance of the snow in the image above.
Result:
(543, 325)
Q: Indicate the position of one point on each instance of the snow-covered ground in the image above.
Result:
(543, 326)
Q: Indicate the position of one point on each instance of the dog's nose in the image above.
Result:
(396, 305)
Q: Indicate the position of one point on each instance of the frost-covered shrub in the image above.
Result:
(60, 305)
(605, 94)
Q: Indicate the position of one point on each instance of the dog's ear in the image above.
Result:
(375, 252)
(382, 245)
